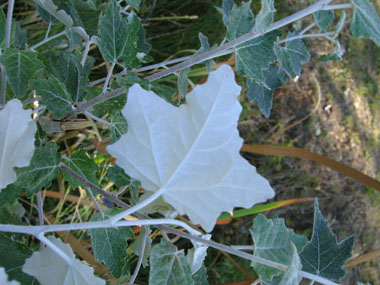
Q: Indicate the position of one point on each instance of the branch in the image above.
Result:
(223, 49)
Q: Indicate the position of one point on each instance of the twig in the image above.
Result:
(85, 52)
(141, 257)
(109, 74)
(32, 48)
(307, 28)
(40, 214)
(338, 6)
(305, 36)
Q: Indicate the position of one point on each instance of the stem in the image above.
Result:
(47, 31)
(40, 214)
(141, 257)
(7, 41)
(338, 6)
(305, 36)
(32, 48)
(85, 52)
(138, 206)
(307, 28)
(109, 74)
(97, 119)
(223, 49)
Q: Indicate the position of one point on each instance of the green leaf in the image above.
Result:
(255, 55)
(3, 21)
(200, 277)
(41, 171)
(110, 245)
(205, 46)
(82, 165)
(293, 274)
(292, 56)
(265, 16)
(54, 95)
(135, 4)
(183, 82)
(20, 37)
(74, 38)
(323, 256)
(13, 262)
(84, 15)
(226, 9)
(324, 19)
(118, 176)
(20, 67)
(272, 241)
(106, 107)
(274, 78)
(137, 244)
(9, 194)
(117, 38)
(142, 45)
(119, 126)
(46, 16)
(168, 265)
(66, 67)
(366, 22)
(240, 21)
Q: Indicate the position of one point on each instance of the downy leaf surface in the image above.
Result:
(292, 56)
(323, 256)
(265, 16)
(117, 37)
(240, 21)
(191, 151)
(16, 140)
(168, 265)
(366, 22)
(41, 171)
(324, 19)
(205, 46)
(272, 241)
(110, 245)
(54, 95)
(13, 262)
(49, 268)
(274, 78)
(46, 16)
(20, 67)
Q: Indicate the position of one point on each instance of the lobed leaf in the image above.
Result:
(366, 22)
(168, 265)
(20, 67)
(205, 46)
(49, 268)
(110, 245)
(191, 151)
(240, 21)
(324, 19)
(16, 140)
(265, 16)
(323, 256)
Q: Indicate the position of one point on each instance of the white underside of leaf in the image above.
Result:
(192, 151)
(50, 269)
(16, 140)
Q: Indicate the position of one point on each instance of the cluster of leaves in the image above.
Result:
(188, 154)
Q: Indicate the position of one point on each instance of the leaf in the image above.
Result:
(20, 37)
(118, 176)
(254, 56)
(191, 151)
(292, 56)
(66, 67)
(366, 22)
(274, 78)
(9, 195)
(117, 38)
(142, 45)
(20, 67)
(3, 21)
(41, 171)
(336, 55)
(135, 4)
(293, 274)
(49, 268)
(108, 106)
(323, 256)
(265, 17)
(82, 165)
(13, 262)
(240, 21)
(54, 95)
(74, 38)
(4, 278)
(183, 82)
(200, 277)
(226, 9)
(137, 244)
(196, 255)
(119, 126)
(205, 46)
(324, 19)
(272, 241)
(16, 140)
(110, 245)
(168, 265)
(46, 16)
